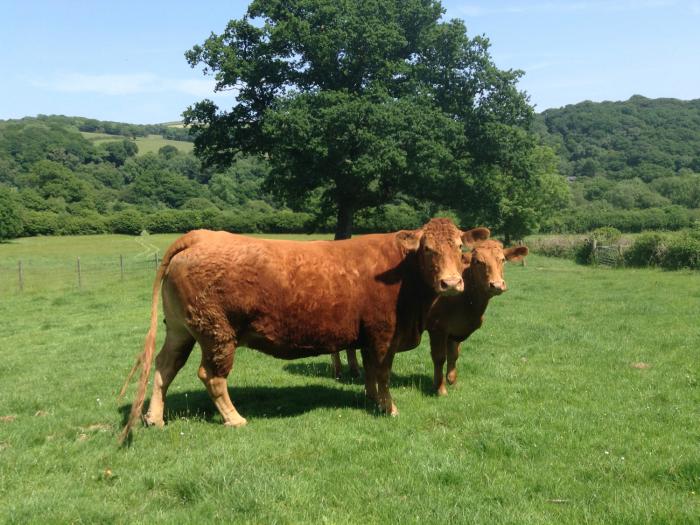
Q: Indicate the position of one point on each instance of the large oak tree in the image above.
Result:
(355, 101)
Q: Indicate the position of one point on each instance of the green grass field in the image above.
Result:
(149, 144)
(577, 402)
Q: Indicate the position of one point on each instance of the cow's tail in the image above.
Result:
(145, 358)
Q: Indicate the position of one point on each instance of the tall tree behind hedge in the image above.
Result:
(353, 101)
(10, 219)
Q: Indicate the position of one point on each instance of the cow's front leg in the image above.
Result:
(452, 356)
(384, 400)
(369, 363)
(438, 352)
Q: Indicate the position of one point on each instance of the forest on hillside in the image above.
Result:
(630, 164)
(634, 165)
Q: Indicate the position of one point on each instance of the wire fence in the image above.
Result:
(39, 274)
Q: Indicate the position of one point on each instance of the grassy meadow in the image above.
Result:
(148, 144)
(577, 402)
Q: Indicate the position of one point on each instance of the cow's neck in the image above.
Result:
(474, 297)
(416, 298)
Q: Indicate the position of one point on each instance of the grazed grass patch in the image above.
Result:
(549, 422)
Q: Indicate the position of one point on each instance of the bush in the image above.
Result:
(39, 223)
(648, 249)
(239, 222)
(390, 218)
(564, 246)
(583, 253)
(173, 221)
(129, 222)
(81, 225)
(683, 252)
(666, 218)
(285, 221)
(606, 235)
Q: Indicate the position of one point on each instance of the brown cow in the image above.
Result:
(452, 320)
(295, 299)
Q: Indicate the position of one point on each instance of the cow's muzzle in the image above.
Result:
(451, 285)
(497, 287)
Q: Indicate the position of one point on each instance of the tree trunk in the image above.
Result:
(343, 228)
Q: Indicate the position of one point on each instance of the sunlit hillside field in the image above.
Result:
(150, 143)
(577, 402)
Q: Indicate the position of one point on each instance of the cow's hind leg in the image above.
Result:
(172, 357)
(337, 365)
(377, 372)
(217, 360)
(352, 363)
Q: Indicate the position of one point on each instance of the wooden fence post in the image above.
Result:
(121, 267)
(21, 276)
(80, 284)
(594, 251)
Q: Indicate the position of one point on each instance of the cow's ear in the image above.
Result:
(409, 239)
(516, 253)
(475, 235)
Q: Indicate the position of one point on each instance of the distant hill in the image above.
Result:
(640, 156)
(633, 165)
(641, 137)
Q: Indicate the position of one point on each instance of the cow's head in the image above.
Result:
(438, 245)
(484, 266)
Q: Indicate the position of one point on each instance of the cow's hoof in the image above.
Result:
(452, 378)
(240, 422)
(151, 421)
(394, 411)
(441, 391)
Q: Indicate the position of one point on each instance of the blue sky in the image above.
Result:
(124, 60)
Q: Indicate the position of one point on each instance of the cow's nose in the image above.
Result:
(497, 287)
(453, 284)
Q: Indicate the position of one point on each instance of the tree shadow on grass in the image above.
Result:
(261, 402)
(420, 382)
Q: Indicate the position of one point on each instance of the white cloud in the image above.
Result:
(126, 84)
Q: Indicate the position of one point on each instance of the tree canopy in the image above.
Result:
(356, 101)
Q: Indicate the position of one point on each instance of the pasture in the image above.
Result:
(148, 144)
(577, 402)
